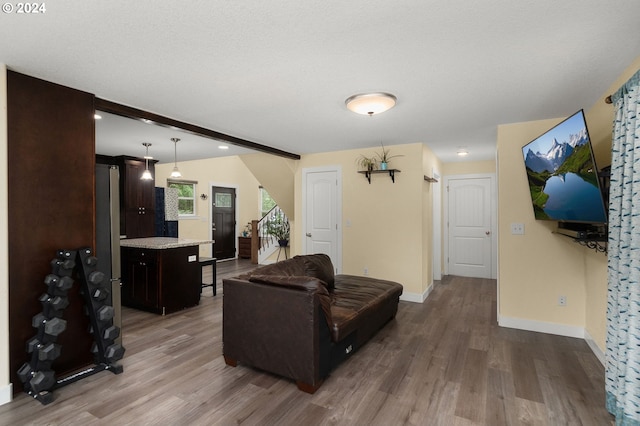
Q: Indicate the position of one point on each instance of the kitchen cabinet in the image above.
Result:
(160, 274)
(137, 198)
(244, 247)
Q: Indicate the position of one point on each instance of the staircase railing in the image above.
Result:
(264, 244)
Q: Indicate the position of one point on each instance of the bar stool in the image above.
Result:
(206, 261)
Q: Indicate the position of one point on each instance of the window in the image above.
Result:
(186, 196)
(266, 202)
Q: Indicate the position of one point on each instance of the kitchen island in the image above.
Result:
(160, 274)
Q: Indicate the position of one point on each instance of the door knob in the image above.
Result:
(308, 234)
(488, 233)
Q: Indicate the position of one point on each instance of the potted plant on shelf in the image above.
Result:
(247, 230)
(384, 157)
(367, 163)
(278, 227)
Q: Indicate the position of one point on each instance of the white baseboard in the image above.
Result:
(541, 327)
(552, 328)
(6, 393)
(595, 348)
(417, 297)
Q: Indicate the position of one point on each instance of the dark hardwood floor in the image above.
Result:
(444, 362)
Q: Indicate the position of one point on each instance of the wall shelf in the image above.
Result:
(392, 174)
(595, 239)
(430, 179)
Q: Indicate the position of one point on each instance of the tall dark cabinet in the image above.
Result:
(137, 198)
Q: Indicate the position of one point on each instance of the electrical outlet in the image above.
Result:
(562, 300)
(366, 270)
(517, 229)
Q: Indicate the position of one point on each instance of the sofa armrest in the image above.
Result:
(277, 327)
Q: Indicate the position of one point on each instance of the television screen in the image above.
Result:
(563, 179)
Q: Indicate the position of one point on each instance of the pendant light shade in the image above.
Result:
(370, 103)
(175, 173)
(146, 175)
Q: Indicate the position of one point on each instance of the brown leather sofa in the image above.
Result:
(297, 319)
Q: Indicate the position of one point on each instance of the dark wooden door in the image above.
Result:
(223, 205)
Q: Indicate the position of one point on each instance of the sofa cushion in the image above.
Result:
(319, 265)
(309, 284)
(355, 301)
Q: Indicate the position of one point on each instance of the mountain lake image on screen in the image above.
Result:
(563, 179)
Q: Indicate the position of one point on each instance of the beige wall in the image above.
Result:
(527, 293)
(387, 227)
(5, 386)
(276, 175)
(225, 171)
(535, 268)
(468, 167)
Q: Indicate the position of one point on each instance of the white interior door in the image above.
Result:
(322, 212)
(470, 226)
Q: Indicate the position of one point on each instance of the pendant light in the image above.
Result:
(175, 173)
(146, 175)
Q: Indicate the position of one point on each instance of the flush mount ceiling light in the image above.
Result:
(97, 116)
(175, 173)
(370, 103)
(223, 147)
(462, 152)
(146, 175)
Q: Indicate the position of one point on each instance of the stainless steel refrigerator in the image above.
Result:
(108, 233)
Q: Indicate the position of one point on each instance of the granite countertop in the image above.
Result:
(160, 243)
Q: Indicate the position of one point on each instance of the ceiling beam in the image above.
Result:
(138, 114)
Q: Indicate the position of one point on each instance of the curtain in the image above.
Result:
(622, 380)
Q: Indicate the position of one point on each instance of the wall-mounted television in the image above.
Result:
(562, 174)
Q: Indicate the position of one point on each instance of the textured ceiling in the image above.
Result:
(277, 73)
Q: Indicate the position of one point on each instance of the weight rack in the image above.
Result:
(37, 376)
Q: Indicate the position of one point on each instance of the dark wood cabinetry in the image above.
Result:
(244, 247)
(140, 273)
(51, 197)
(137, 199)
(160, 280)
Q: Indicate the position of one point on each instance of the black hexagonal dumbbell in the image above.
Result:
(55, 326)
(33, 344)
(24, 373)
(111, 333)
(65, 284)
(49, 352)
(52, 327)
(42, 380)
(104, 313)
(96, 278)
(53, 306)
(56, 302)
(58, 285)
(100, 293)
(62, 267)
(114, 352)
(38, 319)
(91, 261)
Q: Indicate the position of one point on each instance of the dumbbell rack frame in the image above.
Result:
(106, 352)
